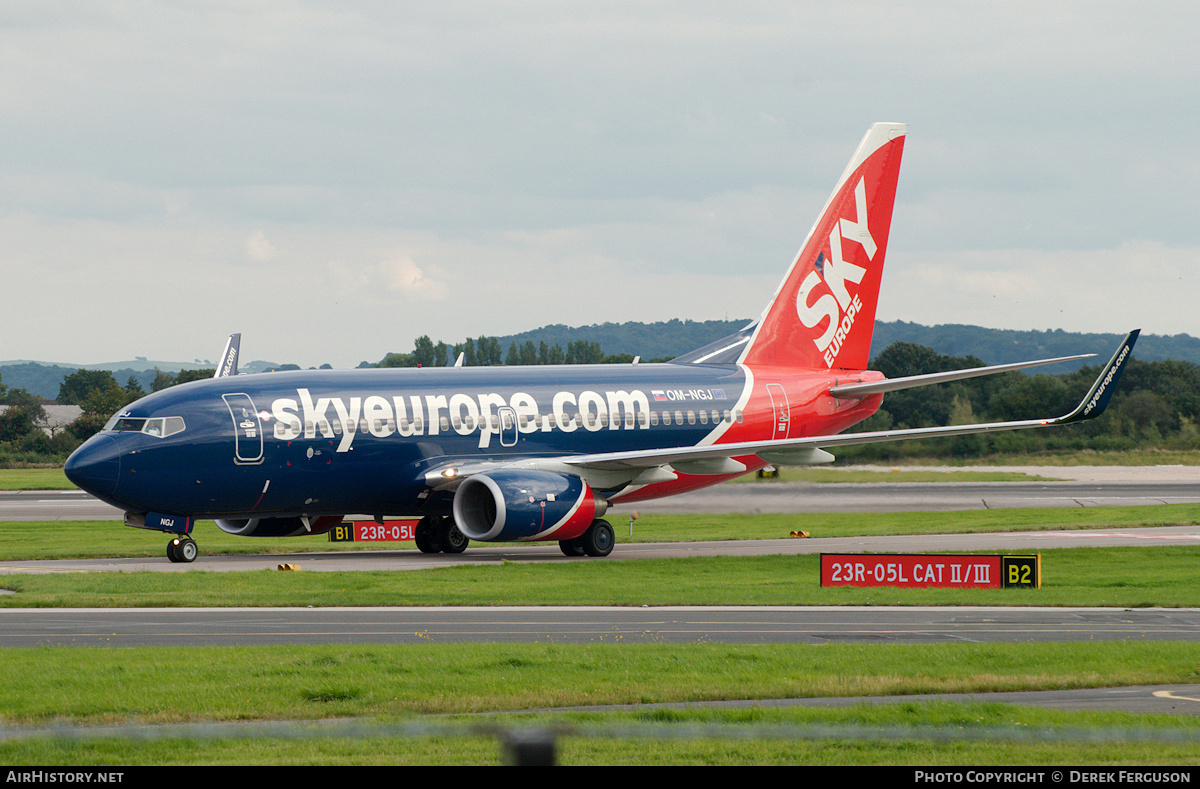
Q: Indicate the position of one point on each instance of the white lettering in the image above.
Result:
(840, 305)
(378, 413)
(288, 425)
(407, 416)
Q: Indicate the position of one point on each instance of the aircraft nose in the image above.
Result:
(96, 466)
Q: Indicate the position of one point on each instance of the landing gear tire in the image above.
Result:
(426, 535)
(599, 539)
(449, 538)
(573, 547)
(182, 550)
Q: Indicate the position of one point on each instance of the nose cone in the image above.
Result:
(96, 466)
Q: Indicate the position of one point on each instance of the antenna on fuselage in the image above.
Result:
(229, 358)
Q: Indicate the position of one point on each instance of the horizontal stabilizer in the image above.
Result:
(910, 381)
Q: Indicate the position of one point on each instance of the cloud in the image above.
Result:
(260, 249)
(402, 275)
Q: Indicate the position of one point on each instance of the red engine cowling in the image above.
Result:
(521, 504)
(279, 527)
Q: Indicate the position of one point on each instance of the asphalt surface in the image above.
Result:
(588, 625)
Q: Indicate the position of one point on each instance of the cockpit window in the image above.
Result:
(125, 424)
(159, 427)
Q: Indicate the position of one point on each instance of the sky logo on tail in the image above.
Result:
(839, 305)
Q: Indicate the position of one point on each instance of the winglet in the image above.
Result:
(1096, 400)
(229, 358)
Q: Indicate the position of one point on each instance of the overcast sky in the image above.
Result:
(335, 179)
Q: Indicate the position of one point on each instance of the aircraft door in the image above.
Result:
(247, 429)
(779, 404)
(508, 426)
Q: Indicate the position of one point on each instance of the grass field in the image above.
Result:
(390, 693)
(1131, 577)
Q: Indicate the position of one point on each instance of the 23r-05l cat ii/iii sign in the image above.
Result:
(924, 571)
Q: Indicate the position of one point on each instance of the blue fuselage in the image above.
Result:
(335, 442)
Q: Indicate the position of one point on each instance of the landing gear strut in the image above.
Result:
(183, 550)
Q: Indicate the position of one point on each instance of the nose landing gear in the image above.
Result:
(183, 550)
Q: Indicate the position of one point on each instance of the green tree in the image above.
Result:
(488, 350)
(185, 376)
(423, 351)
(134, 389)
(15, 423)
(79, 385)
(584, 352)
(398, 360)
(161, 380)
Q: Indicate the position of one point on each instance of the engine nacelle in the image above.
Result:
(519, 504)
(279, 527)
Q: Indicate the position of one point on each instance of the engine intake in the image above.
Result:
(519, 504)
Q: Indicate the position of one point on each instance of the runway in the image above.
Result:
(117, 627)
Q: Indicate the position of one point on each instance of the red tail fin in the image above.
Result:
(823, 314)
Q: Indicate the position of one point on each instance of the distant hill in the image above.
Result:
(43, 378)
(1001, 346)
(676, 337)
(647, 340)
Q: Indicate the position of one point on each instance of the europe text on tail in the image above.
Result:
(537, 453)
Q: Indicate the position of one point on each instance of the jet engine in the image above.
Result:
(279, 527)
(521, 504)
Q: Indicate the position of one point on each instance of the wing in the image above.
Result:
(611, 469)
(1092, 405)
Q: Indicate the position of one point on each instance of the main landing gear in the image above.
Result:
(598, 540)
(439, 535)
(182, 549)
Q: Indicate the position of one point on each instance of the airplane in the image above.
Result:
(511, 453)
